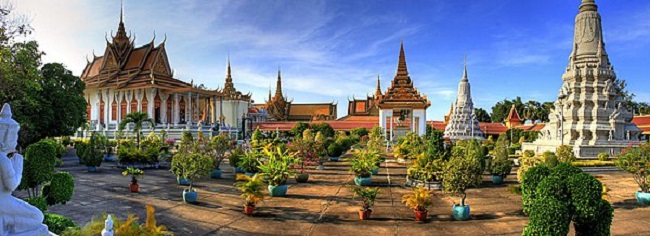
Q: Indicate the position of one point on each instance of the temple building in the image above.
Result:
(402, 108)
(588, 113)
(127, 79)
(462, 122)
(280, 108)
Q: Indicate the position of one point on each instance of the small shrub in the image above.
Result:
(603, 156)
(334, 150)
(586, 193)
(565, 154)
(38, 165)
(58, 223)
(525, 163)
(550, 159)
(531, 180)
(599, 225)
(592, 163)
(38, 202)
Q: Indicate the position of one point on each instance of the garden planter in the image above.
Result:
(190, 196)
(461, 212)
(134, 188)
(183, 181)
(238, 170)
(421, 215)
(216, 174)
(364, 214)
(91, 169)
(375, 171)
(642, 198)
(278, 191)
(362, 181)
(302, 178)
(497, 179)
(249, 210)
(334, 158)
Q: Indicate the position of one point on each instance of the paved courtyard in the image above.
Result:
(321, 207)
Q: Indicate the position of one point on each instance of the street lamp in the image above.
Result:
(560, 98)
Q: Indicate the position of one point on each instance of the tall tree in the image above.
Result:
(501, 109)
(482, 115)
(138, 119)
(63, 99)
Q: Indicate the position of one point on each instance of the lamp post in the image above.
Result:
(561, 98)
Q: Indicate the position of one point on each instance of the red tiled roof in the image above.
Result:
(533, 127)
(643, 122)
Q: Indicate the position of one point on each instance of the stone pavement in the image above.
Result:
(323, 206)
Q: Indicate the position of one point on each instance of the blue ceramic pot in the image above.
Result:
(216, 174)
(642, 198)
(91, 169)
(461, 212)
(182, 181)
(190, 196)
(362, 181)
(238, 170)
(497, 179)
(375, 171)
(249, 174)
(278, 191)
(334, 158)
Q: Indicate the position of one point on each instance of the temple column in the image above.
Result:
(128, 101)
(188, 112)
(198, 109)
(163, 108)
(138, 97)
(176, 110)
(98, 109)
(151, 104)
(118, 110)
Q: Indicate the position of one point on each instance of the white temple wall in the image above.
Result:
(420, 121)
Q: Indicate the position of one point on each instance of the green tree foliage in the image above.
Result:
(530, 110)
(565, 154)
(323, 128)
(93, 152)
(60, 189)
(138, 119)
(38, 166)
(463, 170)
(500, 164)
(482, 115)
(359, 132)
(298, 128)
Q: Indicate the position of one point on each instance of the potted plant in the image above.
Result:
(249, 162)
(220, 144)
(419, 200)
(462, 172)
(500, 165)
(636, 161)
(368, 196)
(334, 151)
(93, 153)
(361, 166)
(191, 166)
(303, 150)
(134, 180)
(234, 159)
(277, 169)
(251, 188)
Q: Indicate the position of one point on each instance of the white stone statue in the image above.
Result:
(108, 227)
(17, 218)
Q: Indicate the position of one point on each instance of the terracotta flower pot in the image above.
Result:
(421, 215)
(364, 214)
(248, 210)
(134, 188)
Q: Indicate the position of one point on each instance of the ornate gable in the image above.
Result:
(401, 91)
(161, 65)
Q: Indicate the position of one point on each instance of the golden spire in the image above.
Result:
(278, 86)
(401, 64)
(378, 90)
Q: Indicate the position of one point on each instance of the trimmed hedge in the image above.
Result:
(550, 218)
(593, 163)
(532, 179)
(58, 223)
(39, 162)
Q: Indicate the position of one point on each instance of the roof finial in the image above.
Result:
(401, 64)
(378, 90)
(278, 86)
(588, 5)
(464, 79)
(122, 12)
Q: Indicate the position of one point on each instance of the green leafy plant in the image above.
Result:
(500, 164)
(362, 163)
(130, 226)
(550, 159)
(134, 172)
(93, 152)
(335, 150)
(235, 157)
(191, 166)
(250, 161)
(251, 188)
(367, 196)
(38, 167)
(138, 119)
(219, 145)
(418, 200)
(636, 161)
(277, 167)
(565, 154)
(527, 161)
(57, 223)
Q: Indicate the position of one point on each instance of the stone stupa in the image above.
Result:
(588, 113)
(463, 124)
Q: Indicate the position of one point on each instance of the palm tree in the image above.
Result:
(138, 119)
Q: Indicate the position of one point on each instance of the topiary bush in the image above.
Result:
(550, 159)
(527, 161)
(561, 195)
(38, 202)
(57, 223)
(60, 189)
(531, 180)
(334, 150)
(38, 166)
(93, 152)
(550, 218)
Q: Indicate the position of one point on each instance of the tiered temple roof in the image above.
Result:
(401, 92)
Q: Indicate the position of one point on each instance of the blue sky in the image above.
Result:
(331, 50)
